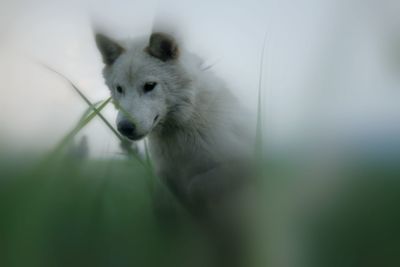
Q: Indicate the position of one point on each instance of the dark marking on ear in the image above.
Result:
(163, 47)
(109, 49)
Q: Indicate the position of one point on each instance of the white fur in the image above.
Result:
(201, 124)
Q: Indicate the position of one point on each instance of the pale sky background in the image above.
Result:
(331, 66)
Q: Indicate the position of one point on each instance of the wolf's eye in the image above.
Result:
(149, 86)
(119, 89)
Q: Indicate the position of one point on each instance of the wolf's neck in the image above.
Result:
(182, 124)
(186, 121)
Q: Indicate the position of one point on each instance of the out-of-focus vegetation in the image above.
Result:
(85, 213)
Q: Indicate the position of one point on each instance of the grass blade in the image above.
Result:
(259, 127)
(83, 122)
(92, 107)
(89, 109)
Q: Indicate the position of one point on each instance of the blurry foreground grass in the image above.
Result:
(85, 213)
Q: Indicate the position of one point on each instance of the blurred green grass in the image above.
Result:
(86, 213)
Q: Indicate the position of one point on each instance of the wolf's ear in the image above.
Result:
(163, 47)
(109, 49)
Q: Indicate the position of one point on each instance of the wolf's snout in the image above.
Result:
(127, 129)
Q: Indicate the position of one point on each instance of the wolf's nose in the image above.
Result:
(127, 128)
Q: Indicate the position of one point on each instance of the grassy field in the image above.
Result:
(86, 213)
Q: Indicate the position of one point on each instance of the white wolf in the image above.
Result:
(198, 132)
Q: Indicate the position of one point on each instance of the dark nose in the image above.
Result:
(127, 128)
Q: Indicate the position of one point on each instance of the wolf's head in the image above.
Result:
(147, 81)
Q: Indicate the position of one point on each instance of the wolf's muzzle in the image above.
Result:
(128, 129)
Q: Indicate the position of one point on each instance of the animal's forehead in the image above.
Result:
(134, 64)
